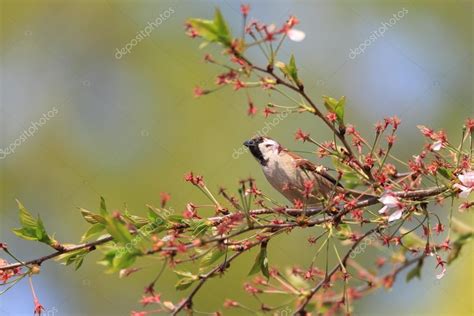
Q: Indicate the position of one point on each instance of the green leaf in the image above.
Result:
(93, 231)
(116, 259)
(350, 178)
(76, 257)
(336, 106)
(445, 173)
(261, 262)
(79, 262)
(103, 208)
(210, 258)
(137, 221)
(213, 30)
(26, 219)
(154, 214)
(343, 231)
(32, 229)
(457, 246)
(221, 25)
(117, 230)
(41, 234)
(124, 260)
(185, 279)
(25, 233)
(411, 240)
(183, 284)
(176, 218)
(292, 70)
(108, 259)
(415, 272)
(289, 70)
(92, 218)
(199, 227)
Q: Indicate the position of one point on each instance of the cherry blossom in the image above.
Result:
(296, 35)
(391, 202)
(467, 180)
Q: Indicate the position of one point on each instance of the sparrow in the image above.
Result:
(292, 175)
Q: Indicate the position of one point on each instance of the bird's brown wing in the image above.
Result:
(307, 165)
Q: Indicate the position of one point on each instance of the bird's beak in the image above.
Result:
(248, 143)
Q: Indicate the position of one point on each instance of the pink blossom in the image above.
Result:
(440, 263)
(467, 180)
(296, 35)
(437, 145)
(391, 202)
(441, 275)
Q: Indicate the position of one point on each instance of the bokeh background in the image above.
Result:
(129, 128)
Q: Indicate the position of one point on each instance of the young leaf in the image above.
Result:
(457, 246)
(335, 106)
(41, 234)
(221, 25)
(25, 233)
(261, 262)
(94, 230)
(118, 230)
(176, 218)
(292, 70)
(32, 229)
(445, 173)
(289, 70)
(91, 218)
(103, 208)
(343, 231)
(210, 258)
(26, 219)
(76, 257)
(350, 178)
(154, 214)
(416, 271)
(213, 30)
(411, 240)
(199, 227)
(108, 259)
(137, 221)
(185, 280)
(124, 260)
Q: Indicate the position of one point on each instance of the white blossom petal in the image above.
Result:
(441, 275)
(395, 215)
(389, 200)
(418, 159)
(271, 28)
(464, 194)
(296, 35)
(467, 179)
(167, 238)
(383, 210)
(465, 191)
(436, 146)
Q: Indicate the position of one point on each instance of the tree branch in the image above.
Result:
(416, 194)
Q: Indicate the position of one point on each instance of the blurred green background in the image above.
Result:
(130, 128)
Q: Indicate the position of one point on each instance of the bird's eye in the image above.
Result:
(268, 145)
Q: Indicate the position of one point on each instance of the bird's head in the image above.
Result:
(263, 149)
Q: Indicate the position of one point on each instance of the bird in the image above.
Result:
(295, 177)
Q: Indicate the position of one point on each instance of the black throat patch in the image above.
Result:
(255, 150)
